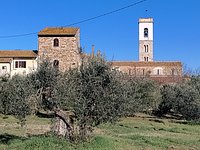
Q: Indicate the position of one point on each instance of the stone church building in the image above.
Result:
(162, 71)
(62, 47)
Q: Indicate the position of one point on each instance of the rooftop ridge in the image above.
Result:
(17, 53)
(59, 31)
(18, 50)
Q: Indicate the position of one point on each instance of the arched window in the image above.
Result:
(146, 32)
(56, 42)
(146, 48)
(146, 58)
(173, 71)
(55, 63)
(158, 72)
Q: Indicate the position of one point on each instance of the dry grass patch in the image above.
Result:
(33, 126)
(142, 132)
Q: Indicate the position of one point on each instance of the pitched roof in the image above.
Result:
(145, 64)
(5, 60)
(17, 53)
(58, 31)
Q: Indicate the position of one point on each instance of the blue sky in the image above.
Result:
(176, 26)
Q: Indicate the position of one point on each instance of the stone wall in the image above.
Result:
(67, 53)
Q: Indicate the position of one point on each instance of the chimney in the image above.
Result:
(92, 51)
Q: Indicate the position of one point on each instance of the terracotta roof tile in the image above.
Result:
(144, 64)
(58, 31)
(17, 53)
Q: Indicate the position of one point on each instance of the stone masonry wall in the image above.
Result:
(142, 52)
(67, 53)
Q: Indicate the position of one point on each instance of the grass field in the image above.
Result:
(141, 132)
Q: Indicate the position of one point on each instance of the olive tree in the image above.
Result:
(141, 95)
(93, 93)
(14, 97)
(183, 99)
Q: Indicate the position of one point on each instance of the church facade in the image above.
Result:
(161, 71)
(62, 47)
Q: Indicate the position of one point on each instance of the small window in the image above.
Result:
(16, 64)
(4, 67)
(56, 42)
(56, 63)
(146, 32)
(20, 64)
(158, 72)
(146, 58)
(146, 48)
(173, 71)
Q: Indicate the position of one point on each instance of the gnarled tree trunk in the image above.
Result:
(64, 125)
(64, 121)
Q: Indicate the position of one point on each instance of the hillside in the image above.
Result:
(141, 132)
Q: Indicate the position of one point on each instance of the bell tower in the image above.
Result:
(146, 39)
